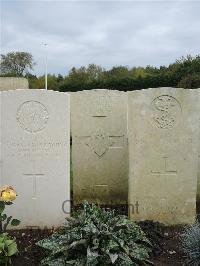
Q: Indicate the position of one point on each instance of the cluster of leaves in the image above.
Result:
(184, 72)
(16, 63)
(8, 245)
(190, 240)
(97, 237)
(8, 248)
(4, 219)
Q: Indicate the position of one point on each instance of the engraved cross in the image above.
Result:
(166, 170)
(34, 176)
(100, 142)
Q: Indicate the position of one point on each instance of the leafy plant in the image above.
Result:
(190, 240)
(8, 248)
(8, 245)
(97, 237)
(6, 220)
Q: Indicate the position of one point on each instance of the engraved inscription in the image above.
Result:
(157, 206)
(165, 112)
(32, 116)
(37, 148)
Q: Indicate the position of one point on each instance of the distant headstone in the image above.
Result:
(35, 154)
(99, 146)
(13, 83)
(163, 154)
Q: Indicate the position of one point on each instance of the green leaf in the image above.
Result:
(92, 257)
(97, 237)
(8, 246)
(51, 243)
(78, 243)
(7, 223)
(54, 262)
(15, 222)
(3, 217)
(8, 203)
(2, 245)
(113, 257)
(2, 206)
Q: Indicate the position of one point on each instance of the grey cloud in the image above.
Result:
(106, 33)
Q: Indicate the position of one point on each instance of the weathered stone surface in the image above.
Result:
(35, 154)
(198, 181)
(99, 146)
(13, 83)
(163, 149)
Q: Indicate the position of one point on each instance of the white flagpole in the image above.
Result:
(45, 66)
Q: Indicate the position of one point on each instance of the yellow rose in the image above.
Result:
(7, 193)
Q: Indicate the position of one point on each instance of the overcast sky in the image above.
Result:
(107, 33)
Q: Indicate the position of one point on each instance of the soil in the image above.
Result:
(171, 250)
(29, 253)
(167, 251)
(166, 241)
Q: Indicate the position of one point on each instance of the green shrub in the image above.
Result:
(8, 248)
(191, 81)
(97, 237)
(190, 240)
(8, 245)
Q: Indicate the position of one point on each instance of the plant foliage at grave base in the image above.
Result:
(191, 244)
(8, 248)
(97, 237)
(8, 245)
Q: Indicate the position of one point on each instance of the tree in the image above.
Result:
(16, 63)
(78, 75)
(119, 72)
(95, 72)
(191, 81)
(60, 78)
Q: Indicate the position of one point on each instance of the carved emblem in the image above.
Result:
(102, 106)
(32, 116)
(99, 142)
(166, 111)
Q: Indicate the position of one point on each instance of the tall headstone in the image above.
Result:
(163, 154)
(198, 181)
(35, 154)
(99, 146)
(13, 83)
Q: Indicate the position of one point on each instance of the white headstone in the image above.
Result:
(13, 83)
(99, 146)
(198, 181)
(163, 149)
(35, 154)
